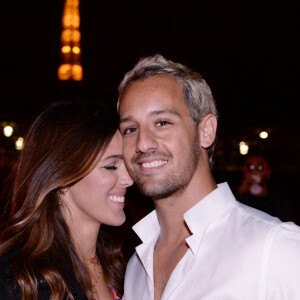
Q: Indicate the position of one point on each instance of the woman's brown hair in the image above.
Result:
(62, 146)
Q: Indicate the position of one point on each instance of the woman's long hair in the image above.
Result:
(61, 147)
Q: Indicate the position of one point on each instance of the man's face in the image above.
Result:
(160, 141)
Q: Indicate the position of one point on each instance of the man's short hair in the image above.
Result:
(197, 94)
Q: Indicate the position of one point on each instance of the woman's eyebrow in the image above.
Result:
(118, 156)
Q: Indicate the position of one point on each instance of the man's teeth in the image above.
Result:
(154, 164)
(116, 198)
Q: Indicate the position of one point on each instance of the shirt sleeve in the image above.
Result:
(283, 276)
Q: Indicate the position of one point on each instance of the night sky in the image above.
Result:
(246, 50)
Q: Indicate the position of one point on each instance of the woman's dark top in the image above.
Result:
(9, 289)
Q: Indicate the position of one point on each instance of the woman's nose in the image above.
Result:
(125, 179)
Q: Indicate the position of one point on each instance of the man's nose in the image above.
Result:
(146, 141)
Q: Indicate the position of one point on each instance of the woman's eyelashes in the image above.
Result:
(110, 167)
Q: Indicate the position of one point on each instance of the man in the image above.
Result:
(199, 243)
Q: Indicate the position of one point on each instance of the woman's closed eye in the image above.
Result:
(110, 168)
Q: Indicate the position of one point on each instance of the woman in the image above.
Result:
(70, 179)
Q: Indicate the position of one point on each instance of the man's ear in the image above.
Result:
(207, 129)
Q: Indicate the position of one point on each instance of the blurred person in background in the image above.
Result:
(255, 187)
(59, 239)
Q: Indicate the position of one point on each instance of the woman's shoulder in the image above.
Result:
(7, 280)
(5, 262)
(9, 288)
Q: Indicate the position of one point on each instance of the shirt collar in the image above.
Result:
(210, 208)
(198, 218)
(148, 227)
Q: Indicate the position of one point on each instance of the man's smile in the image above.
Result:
(154, 164)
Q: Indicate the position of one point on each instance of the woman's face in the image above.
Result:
(99, 197)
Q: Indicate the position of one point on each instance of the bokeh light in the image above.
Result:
(263, 135)
(19, 144)
(8, 130)
(244, 148)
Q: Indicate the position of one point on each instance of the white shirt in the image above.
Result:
(235, 253)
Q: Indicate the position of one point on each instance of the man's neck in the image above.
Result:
(170, 211)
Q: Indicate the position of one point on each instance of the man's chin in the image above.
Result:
(156, 191)
(149, 189)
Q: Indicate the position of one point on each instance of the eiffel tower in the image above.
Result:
(70, 67)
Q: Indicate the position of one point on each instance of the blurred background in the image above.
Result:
(247, 51)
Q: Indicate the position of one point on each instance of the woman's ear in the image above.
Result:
(207, 129)
(63, 190)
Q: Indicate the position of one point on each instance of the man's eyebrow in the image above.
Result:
(118, 156)
(127, 119)
(152, 113)
(164, 111)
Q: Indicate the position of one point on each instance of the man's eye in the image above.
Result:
(162, 123)
(129, 130)
(110, 168)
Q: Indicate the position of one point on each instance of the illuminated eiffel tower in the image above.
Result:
(70, 51)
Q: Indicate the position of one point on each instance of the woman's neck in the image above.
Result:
(85, 240)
